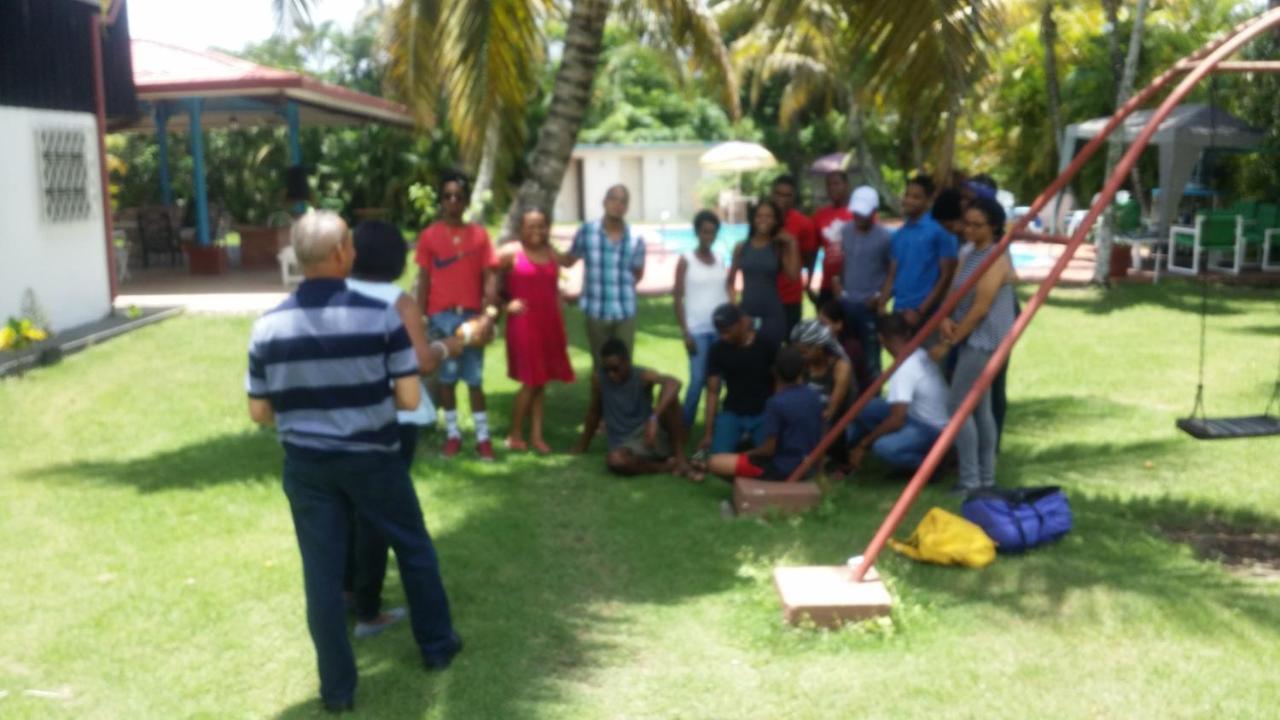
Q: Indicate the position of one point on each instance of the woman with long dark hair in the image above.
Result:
(981, 319)
(766, 253)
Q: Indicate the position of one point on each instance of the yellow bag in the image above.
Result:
(948, 539)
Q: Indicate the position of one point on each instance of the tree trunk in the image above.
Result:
(947, 144)
(1105, 234)
(867, 162)
(481, 195)
(570, 97)
(1049, 40)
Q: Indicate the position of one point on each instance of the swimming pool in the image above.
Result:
(680, 240)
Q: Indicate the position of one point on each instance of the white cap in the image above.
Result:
(864, 201)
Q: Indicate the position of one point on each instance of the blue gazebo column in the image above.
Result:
(162, 141)
(295, 145)
(197, 157)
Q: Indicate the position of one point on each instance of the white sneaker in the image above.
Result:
(380, 623)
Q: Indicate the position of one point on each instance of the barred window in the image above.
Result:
(64, 176)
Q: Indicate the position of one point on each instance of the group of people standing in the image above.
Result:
(337, 368)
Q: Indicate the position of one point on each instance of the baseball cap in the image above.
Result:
(725, 317)
(864, 201)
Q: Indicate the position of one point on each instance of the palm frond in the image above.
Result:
(690, 25)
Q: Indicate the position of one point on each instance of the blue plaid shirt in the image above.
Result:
(608, 280)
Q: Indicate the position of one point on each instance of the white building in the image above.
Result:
(663, 179)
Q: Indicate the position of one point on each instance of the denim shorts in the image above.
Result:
(469, 367)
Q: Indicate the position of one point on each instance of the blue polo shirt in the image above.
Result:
(918, 248)
(325, 359)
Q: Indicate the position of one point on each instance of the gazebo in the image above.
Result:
(1182, 138)
(182, 89)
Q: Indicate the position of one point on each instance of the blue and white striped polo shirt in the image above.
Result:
(325, 359)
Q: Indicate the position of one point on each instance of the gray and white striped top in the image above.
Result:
(999, 318)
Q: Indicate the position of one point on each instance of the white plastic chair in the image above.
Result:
(290, 271)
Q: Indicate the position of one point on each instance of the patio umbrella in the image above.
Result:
(737, 157)
(827, 163)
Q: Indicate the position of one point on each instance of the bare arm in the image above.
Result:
(731, 282)
(429, 359)
(843, 371)
(407, 391)
(946, 271)
(677, 297)
(261, 412)
(886, 290)
(669, 393)
(790, 256)
(491, 288)
(593, 417)
(713, 407)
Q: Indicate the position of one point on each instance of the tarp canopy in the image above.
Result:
(1184, 135)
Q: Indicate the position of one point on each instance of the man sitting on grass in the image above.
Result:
(329, 367)
(792, 427)
(643, 438)
(901, 429)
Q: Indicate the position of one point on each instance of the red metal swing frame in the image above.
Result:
(1195, 67)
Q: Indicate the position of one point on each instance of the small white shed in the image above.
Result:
(663, 179)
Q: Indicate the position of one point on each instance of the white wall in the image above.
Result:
(566, 208)
(661, 188)
(64, 263)
(599, 173)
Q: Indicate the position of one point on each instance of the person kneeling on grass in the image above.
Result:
(643, 438)
(901, 429)
(792, 427)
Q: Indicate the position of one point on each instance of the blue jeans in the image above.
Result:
(323, 488)
(903, 448)
(730, 427)
(468, 367)
(697, 375)
(861, 321)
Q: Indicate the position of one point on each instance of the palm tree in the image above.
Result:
(854, 56)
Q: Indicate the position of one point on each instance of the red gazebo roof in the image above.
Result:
(164, 72)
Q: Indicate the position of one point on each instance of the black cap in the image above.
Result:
(726, 316)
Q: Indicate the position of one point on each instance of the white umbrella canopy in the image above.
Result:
(736, 156)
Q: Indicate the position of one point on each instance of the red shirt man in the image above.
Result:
(800, 227)
(827, 222)
(454, 258)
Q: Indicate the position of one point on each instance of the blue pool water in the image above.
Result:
(682, 239)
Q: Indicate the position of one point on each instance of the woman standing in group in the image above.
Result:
(760, 258)
(537, 348)
(979, 322)
(699, 290)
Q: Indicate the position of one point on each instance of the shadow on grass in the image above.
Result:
(1175, 294)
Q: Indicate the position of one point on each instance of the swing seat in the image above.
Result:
(1227, 428)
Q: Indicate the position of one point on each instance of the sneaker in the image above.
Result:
(379, 624)
(441, 662)
(484, 449)
(452, 446)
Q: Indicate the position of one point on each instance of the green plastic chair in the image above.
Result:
(1214, 233)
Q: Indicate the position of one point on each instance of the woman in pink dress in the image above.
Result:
(537, 348)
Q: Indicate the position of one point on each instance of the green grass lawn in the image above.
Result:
(148, 567)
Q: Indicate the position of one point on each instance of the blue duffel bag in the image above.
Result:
(1018, 519)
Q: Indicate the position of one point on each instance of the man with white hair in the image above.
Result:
(329, 367)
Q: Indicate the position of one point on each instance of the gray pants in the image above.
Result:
(976, 441)
(598, 331)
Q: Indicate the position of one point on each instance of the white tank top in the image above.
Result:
(703, 292)
(389, 293)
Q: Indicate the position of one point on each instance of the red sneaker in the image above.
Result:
(452, 446)
(484, 449)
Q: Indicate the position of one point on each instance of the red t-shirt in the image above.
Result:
(454, 258)
(827, 222)
(801, 228)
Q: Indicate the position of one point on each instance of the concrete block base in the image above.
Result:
(827, 596)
